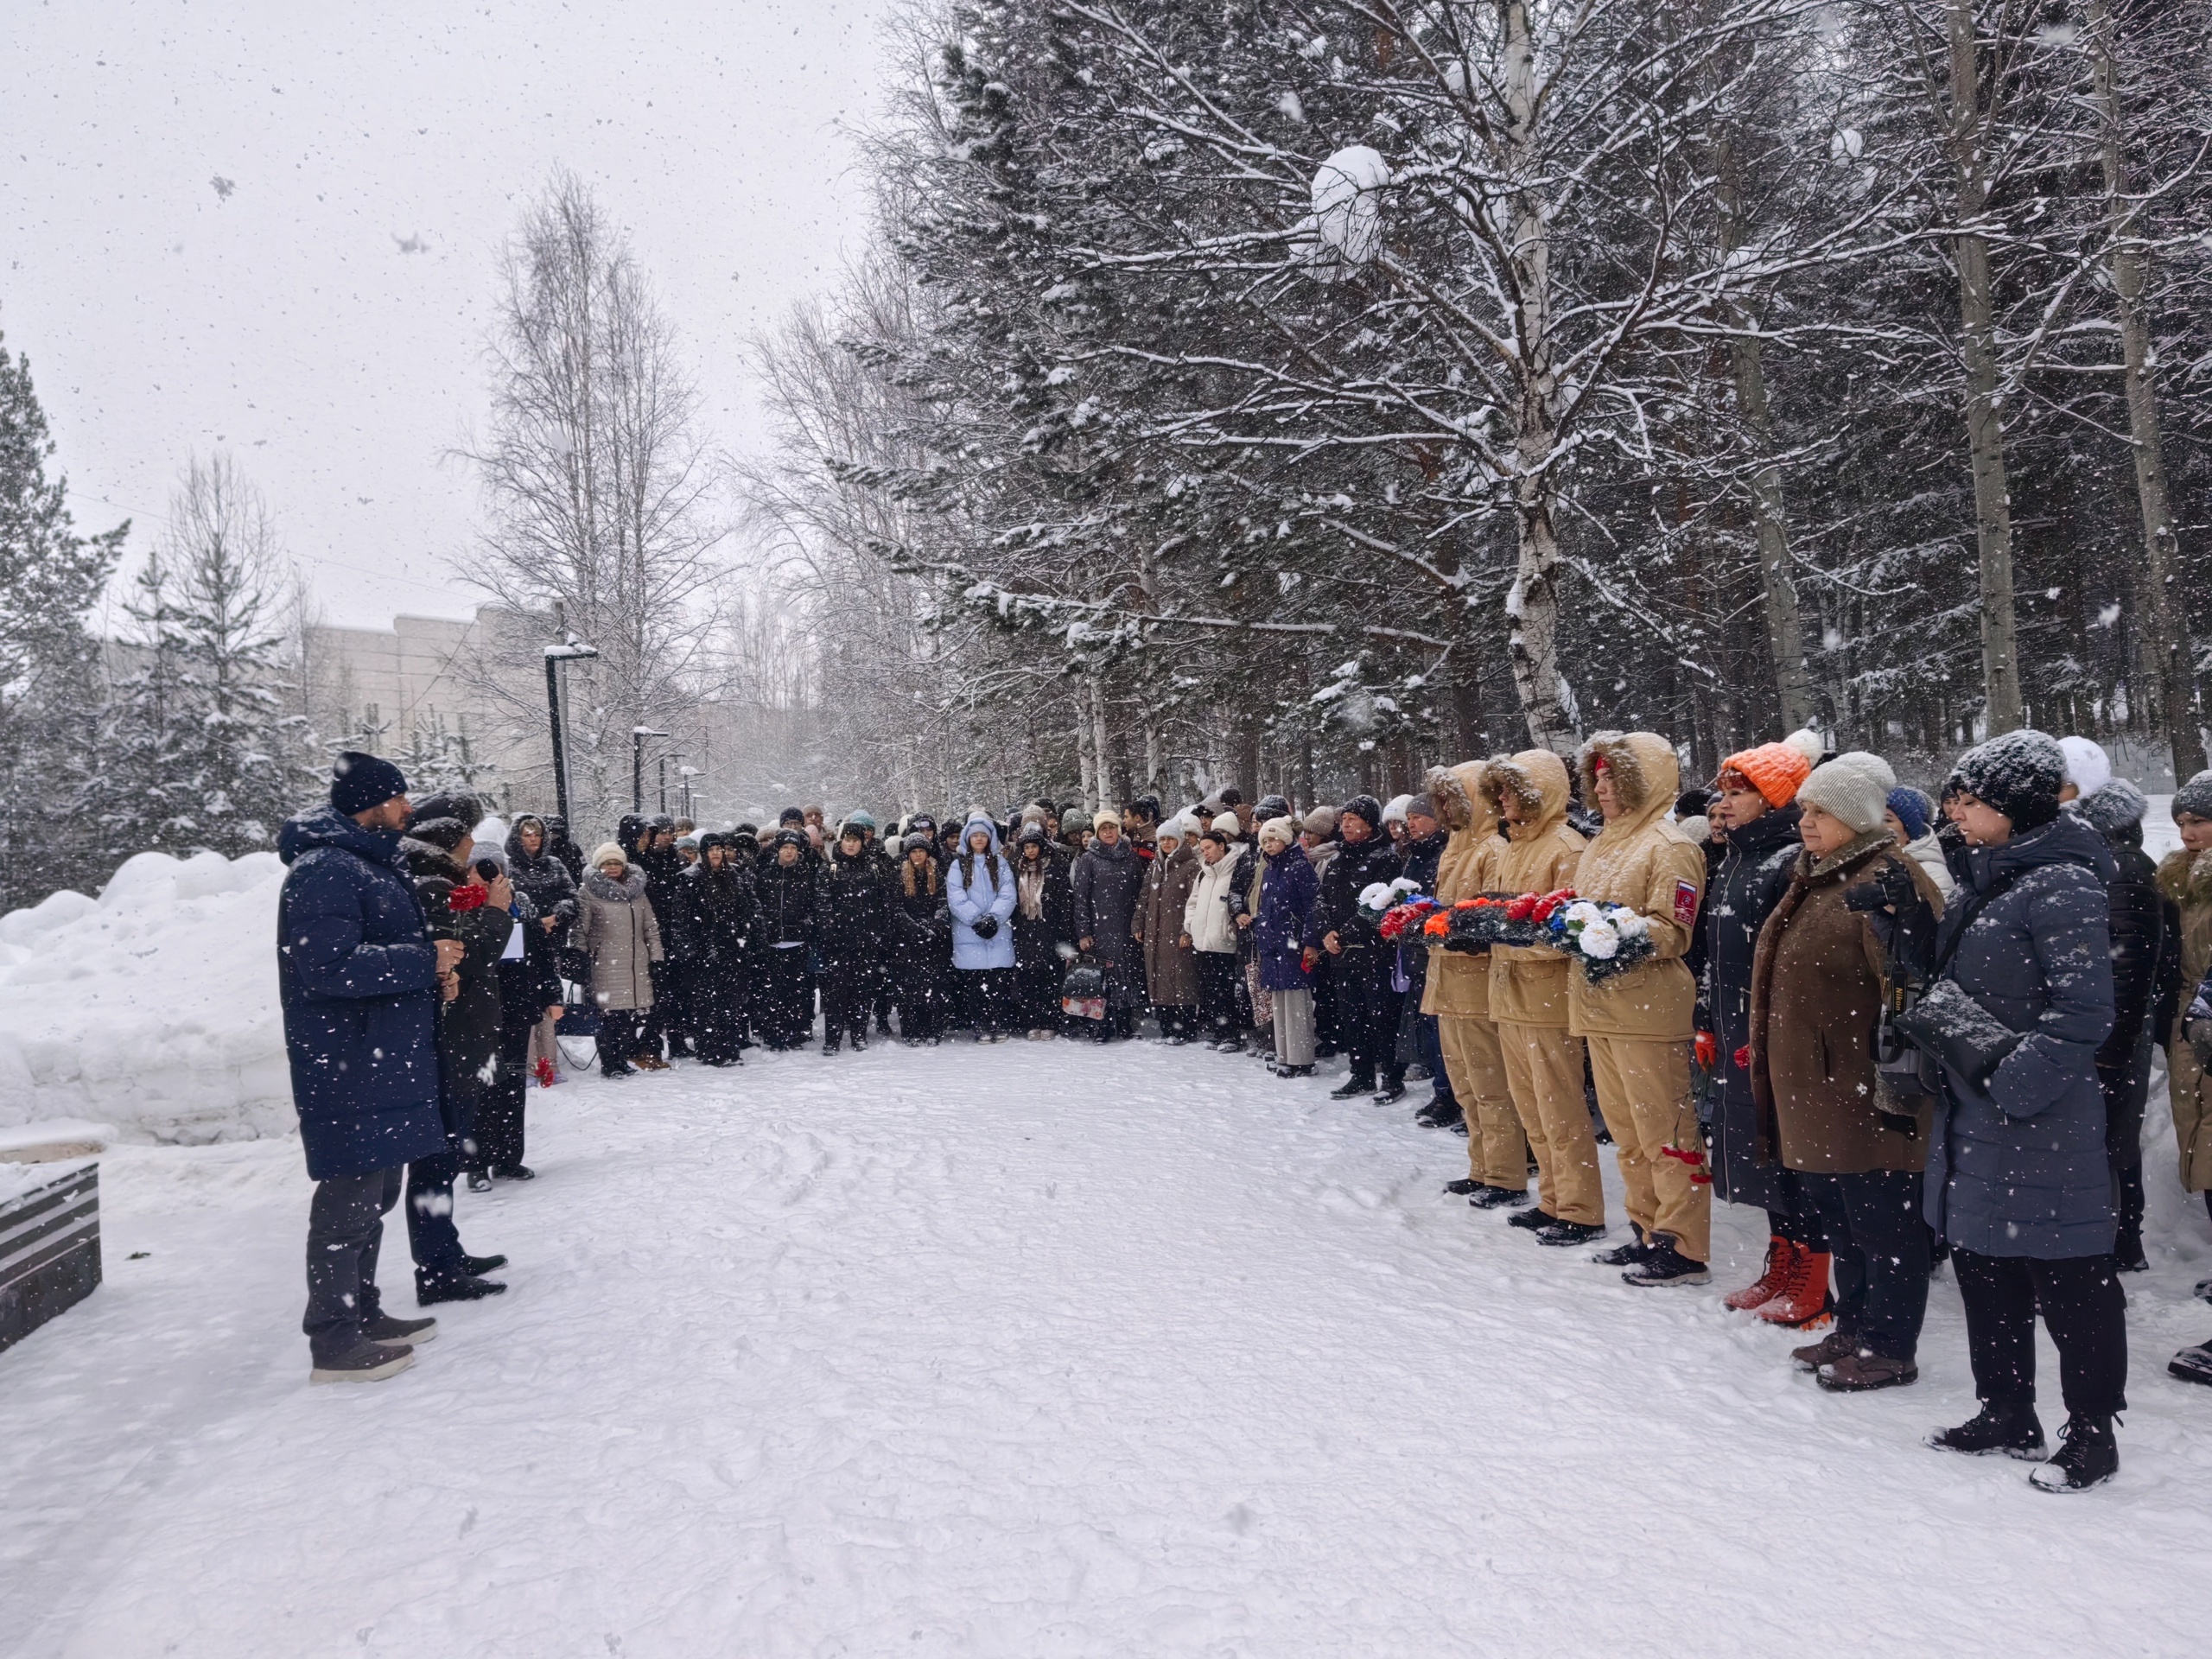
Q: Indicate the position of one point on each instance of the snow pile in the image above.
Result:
(152, 1008)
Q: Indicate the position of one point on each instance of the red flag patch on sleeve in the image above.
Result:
(1686, 902)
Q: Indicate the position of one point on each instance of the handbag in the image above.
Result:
(1083, 990)
(1919, 1034)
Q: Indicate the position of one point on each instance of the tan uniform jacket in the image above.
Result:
(1459, 983)
(1644, 862)
(1528, 985)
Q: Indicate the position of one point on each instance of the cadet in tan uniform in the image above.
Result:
(1458, 994)
(1528, 998)
(1639, 1024)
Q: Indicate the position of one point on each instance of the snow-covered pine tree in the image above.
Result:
(50, 577)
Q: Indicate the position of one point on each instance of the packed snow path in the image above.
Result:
(1030, 1350)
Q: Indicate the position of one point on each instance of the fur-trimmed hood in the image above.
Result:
(2186, 877)
(1645, 772)
(1455, 793)
(1536, 781)
(628, 891)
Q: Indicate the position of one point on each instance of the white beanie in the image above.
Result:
(1228, 825)
(1399, 807)
(1854, 788)
(2088, 768)
(1282, 831)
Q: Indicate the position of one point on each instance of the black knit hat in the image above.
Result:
(359, 781)
(2020, 774)
(1365, 808)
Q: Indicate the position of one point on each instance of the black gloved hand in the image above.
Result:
(987, 927)
(1949, 1025)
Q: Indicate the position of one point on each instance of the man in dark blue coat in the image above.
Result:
(358, 978)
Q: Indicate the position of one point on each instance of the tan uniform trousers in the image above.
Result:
(1643, 1090)
(1543, 1067)
(1497, 1152)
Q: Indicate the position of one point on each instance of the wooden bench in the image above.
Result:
(49, 1242)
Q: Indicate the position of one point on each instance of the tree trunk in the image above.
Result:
(1101, 742)
(1992, 507)
(1785, 631)
(2168, 629)
(1532, 603)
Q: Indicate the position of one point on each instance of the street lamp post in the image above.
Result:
(637, 736)
(684, 775)
(569, 650)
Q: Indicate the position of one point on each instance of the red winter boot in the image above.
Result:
(1802, 1300)
(1781, 1257)
(545, 1074)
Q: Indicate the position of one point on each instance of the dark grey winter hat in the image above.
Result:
(359, 781)
(2194, 797)
(2020, 774)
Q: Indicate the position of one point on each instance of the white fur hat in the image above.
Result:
(1854, 788)
(2088, 768)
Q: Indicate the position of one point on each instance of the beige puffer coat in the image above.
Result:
(1527, 984)
(1642, 862)
(1459, 983)
(618, 930)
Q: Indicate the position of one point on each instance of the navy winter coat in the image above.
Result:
(1108, 882)
(2022, 1170)
(1753, 875)
(357, 976)
(1284, 927)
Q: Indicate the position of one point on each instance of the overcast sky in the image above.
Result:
(272, 228)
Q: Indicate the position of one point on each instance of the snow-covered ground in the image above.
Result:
(1029, 1351)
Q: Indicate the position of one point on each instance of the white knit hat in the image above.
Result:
(1230, 825)
(1282, 831)
(1399, 807)
(2088, 768)
(608, 853)
(1854, 788)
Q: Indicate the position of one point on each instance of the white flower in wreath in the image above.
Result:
(1582, 913)
(1630, 926)
(1377, 895)
(1600, 939)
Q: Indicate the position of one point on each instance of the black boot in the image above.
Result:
(1354, 1084)
(1664, 1265)
(1486, 1197)
(2001, 1427)
(1438, 1114)
(1392, 1091)
(1463, 1187)
(2088, 1456)
(1565, 1234)
(1534, 1219)
(832, 1043)
(1628, 1255)
(429, 1291)
(2128, 1252)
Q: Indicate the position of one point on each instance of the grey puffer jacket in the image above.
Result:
(2021, 1170)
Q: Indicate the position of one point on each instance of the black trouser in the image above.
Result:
(622, 1035)
(1367, 1014)
(498, 1134)
(2083, 1308)
(1432, 1055)
(984, 994)
(1217, 978)
(848, 988)
(1176, 1019)
(718, 1007)
(922, 997)
(1037, 994)
(432, 1238)
(785, 994)
(1328, 1032)
(345, 1230)
(1876, 1243)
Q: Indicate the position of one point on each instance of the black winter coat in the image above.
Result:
(1754, 874)
(789, 910)
(1037, 941)
(1351, 873)
(921, 925)
(1420, 862)
(2137, 913)
(469, 1026)
(532, 984)
(856, 908)
(545, 878)
(357, 978)
(715, 912)
(1107, 883)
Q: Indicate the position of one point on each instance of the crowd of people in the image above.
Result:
(1906, 1029)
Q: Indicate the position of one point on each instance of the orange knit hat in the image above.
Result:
(1776, 769)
